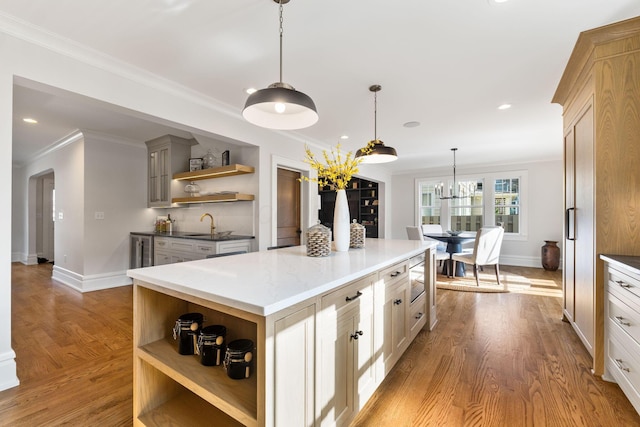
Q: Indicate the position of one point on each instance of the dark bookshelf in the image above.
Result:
(362, 196)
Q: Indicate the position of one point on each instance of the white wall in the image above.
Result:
(543, 203)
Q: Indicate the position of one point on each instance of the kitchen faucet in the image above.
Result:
(212, 226)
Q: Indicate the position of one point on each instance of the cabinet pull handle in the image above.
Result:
(620, 320)
(623, 285)
(356, 296)
(397, 302)
(356, 335)
(570, 222)
(620, 366)
(419, 316)
(395, 273)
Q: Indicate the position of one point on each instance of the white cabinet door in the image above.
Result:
(345, 375)
(294, 377)
(395, 323)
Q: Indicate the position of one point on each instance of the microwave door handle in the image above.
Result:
(570, 222)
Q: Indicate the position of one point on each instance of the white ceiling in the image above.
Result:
(446, 64)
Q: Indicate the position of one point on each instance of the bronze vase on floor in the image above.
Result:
(550, 255)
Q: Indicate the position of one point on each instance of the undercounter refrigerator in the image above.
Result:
(141, 250)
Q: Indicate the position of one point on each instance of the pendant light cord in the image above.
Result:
(281, 21)
(375, 117)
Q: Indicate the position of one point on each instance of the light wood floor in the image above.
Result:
(494, 360)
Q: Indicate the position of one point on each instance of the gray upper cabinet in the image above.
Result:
(167, 155)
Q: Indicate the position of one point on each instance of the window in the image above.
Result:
(466, 210)
(430, 205)
(507, 204)
(499, 202)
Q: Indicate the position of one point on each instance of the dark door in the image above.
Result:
(288, 208)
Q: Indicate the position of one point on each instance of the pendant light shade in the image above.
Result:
(376, 151)
(280, 106)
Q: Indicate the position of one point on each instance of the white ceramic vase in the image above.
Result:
(341, 222)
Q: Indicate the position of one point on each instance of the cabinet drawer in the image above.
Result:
(395, 272)
(624, 286)
(622, 362)
(622, 316)
(204, 248)
(354, 294)
(160, 243)
(418, 314)
(234, 246)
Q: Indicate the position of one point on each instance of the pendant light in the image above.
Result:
(280, 106)
(378, 153)
(463, 190)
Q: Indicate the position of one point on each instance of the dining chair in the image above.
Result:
(417, 233)
(486, 251)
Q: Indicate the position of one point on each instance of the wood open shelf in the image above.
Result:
(215, 198)
(236, 398)
(219, 172)
(187, 409)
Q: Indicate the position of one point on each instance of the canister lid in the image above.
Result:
(355, 226)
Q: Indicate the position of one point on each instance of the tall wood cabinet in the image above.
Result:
(600, 95)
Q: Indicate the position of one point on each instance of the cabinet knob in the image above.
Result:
(621, 321)
(356, 335)
(419, 316)
(397, 302)
(395, 273)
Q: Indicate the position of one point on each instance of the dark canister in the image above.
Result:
(237, 359)
(211, 345)
(186, 331)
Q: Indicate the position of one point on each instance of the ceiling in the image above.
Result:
(445, 64)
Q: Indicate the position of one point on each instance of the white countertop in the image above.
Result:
(266, 282)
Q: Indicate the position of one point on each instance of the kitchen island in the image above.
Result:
(326, 332)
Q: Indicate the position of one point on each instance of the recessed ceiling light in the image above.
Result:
(498, 1)
(30, 120)
(251, 90)
(344, 137)
(411, 124)
(504, 107)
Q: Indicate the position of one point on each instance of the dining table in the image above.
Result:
(454, 245)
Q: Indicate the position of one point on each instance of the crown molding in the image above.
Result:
(38, 36)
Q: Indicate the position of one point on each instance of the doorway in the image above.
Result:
(289, 219)
(46, 222)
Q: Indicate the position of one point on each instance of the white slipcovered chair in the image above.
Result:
(486, 251)
(441, 249)
(417, 233)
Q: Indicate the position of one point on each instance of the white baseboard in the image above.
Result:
(90, 283)
(8, 377)
(24, 258)
(522, 261)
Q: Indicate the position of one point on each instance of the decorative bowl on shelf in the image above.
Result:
(453, 233)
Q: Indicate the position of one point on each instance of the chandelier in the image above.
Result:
(456, 190)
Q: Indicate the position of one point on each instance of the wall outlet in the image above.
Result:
(99, 215)
(60, 215)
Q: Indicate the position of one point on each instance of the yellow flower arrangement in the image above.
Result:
(338, 168)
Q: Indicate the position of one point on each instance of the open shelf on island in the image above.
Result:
(219, 172)
(235, 398)
(213, 198)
